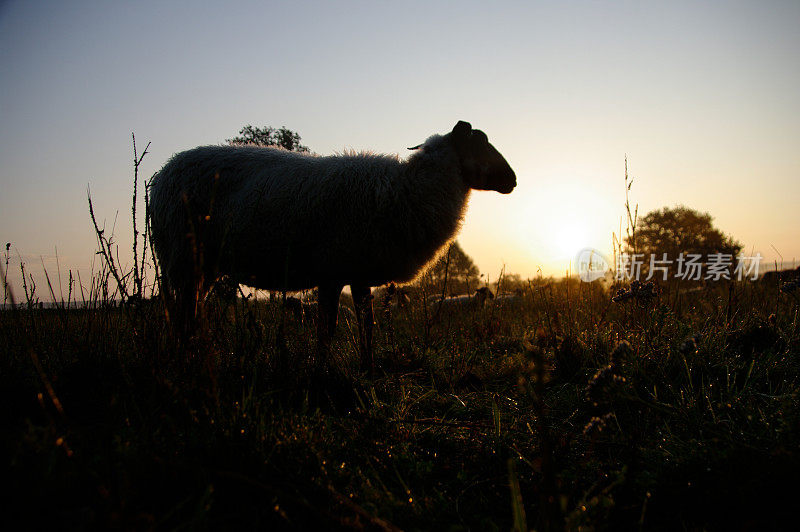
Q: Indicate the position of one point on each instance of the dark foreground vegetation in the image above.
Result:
(560, 410)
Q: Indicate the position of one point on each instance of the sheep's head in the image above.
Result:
(482, 165)
(485, 292)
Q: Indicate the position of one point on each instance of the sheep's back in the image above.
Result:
(274, 217)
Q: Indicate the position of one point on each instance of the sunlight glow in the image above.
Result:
(569, 239)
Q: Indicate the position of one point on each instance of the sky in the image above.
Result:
(702, 98)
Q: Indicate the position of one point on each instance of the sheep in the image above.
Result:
(512, 298)
(777, 276)
(394, 298)
(402, 300)
(281, 220)
(465, 302)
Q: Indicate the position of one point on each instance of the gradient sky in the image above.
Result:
(703, 97)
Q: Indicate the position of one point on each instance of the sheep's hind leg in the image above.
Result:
(362, 301)
(182, 305)
(328, 308)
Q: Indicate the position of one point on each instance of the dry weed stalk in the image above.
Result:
(109, 250)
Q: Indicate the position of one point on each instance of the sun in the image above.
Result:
(569, 239)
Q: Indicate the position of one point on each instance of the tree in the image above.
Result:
(269, 136)
(680, 230)
(510, 283)
(458, 268)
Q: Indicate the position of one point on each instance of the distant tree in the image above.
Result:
(269, 136)
(457, 268)
(680, 230)
(509, 283)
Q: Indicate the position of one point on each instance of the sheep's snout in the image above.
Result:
(509, 184)
(503, 179)
(497, 174)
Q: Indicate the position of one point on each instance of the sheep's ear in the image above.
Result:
(462, 130)
(418, 146)
(479, 137)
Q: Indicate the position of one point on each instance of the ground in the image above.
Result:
(563, 410)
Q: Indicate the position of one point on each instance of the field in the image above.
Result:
(562, 410)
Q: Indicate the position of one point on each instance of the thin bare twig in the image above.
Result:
(137, 275)
(105, 251)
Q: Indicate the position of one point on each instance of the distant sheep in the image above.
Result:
(778, 276)
(465, 302)
(281, 220)
(512, 298)
(395, 297)
(401, 300)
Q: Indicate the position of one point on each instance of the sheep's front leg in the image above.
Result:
(328, 308)
(362, 301)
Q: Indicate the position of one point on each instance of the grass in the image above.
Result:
(518, 416)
